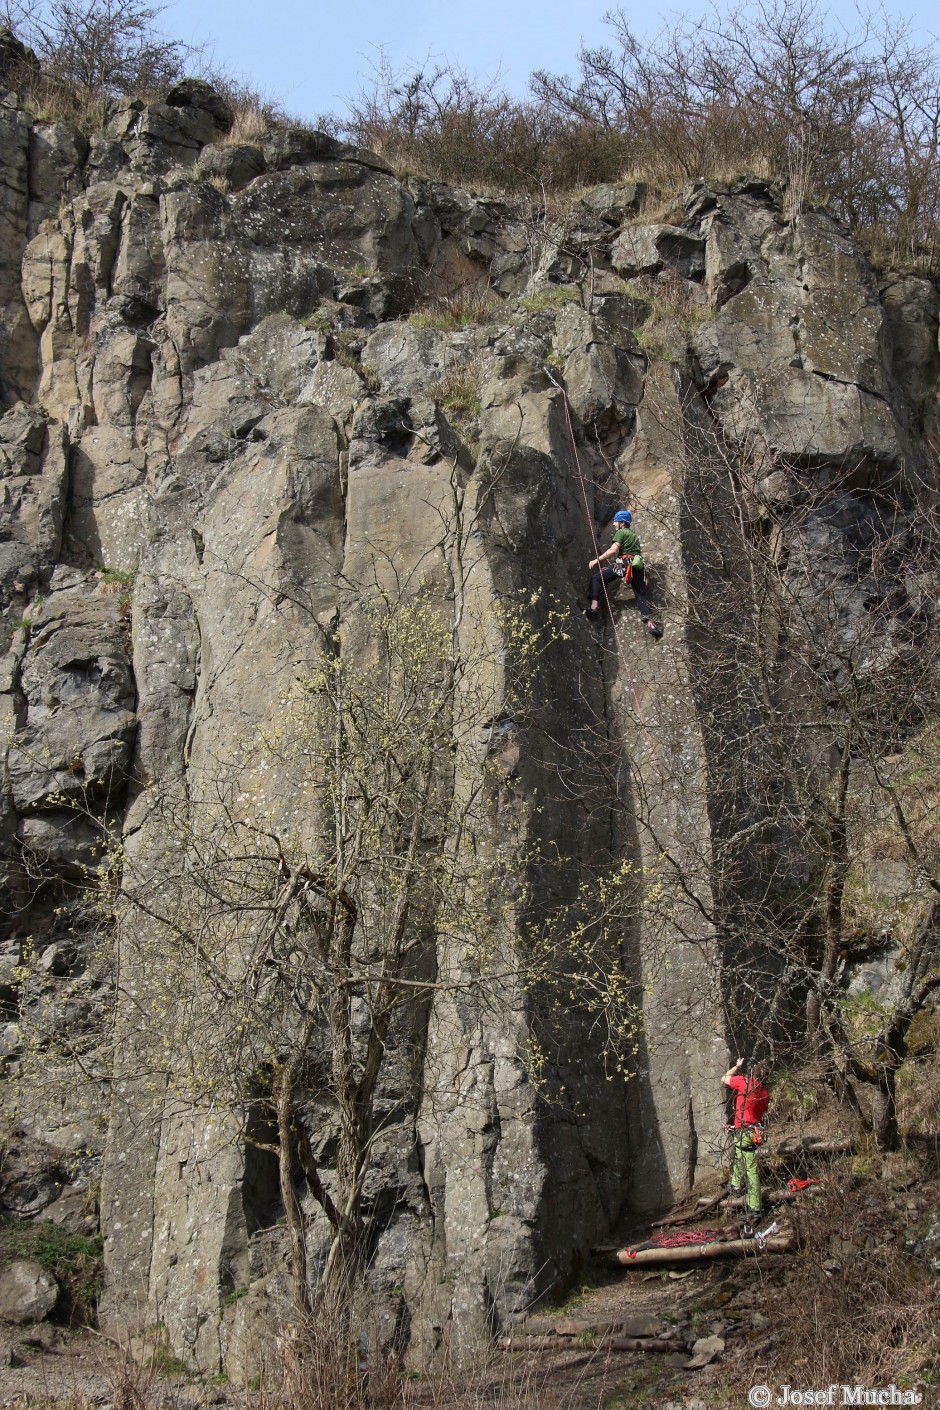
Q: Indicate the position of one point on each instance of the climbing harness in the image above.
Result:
(754, 1129)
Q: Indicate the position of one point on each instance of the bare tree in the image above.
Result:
(100, 47)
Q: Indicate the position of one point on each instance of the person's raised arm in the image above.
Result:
(732, 1072)
(603, 557)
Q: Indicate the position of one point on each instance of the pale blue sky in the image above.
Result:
(310, 56)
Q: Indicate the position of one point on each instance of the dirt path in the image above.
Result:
(718, 1304)
(81, 1370)
(564, 1359)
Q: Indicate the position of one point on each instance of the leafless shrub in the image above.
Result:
(851, 117)
(440, 122)
(82, 54)
(98, 46)
(90, 52)
(799, 175)
(149, 1380)
(335, 1360)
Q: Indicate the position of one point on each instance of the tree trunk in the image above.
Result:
(339, 1272)
(885, 1108)
(835, 897)
(812, 1145)
(287, 1169)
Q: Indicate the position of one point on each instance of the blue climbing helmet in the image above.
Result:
(623, 516)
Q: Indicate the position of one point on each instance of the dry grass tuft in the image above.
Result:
(463, 308)
(458, 394)
(676, 310)
(255, 118)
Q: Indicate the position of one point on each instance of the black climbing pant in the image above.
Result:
(610, 575)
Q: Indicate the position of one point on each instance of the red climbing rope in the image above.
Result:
(684, 1238)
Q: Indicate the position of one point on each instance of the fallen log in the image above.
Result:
(559, 1343)
(693, 1253)
(702, 1206)
(646, 1344)
(779, 1196)
(529, 1342)
(815, 1145)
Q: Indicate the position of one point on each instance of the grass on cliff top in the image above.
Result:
(74, 1260)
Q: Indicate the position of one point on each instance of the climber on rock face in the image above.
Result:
(750, 1104)
(627, 563)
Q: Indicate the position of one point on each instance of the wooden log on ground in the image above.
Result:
(702, 1206)
(815, 1145)
(646, 1344)
(695, 1253)
(781, 1196)
(778, 1196)
(524, 1342)
(559, 1343)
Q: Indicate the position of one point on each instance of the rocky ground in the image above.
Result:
(564, 1359)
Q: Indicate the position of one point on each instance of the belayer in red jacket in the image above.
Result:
(751, 1100)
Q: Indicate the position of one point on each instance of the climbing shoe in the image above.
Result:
(591, 615)
(653, 628)
(747, 1231)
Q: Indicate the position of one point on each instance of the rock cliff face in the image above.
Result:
(218, 411)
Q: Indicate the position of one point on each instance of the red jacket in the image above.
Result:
(751, 1101)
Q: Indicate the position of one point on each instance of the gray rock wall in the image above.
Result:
(218, 414)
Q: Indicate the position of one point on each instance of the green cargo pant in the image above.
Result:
(744, 1172)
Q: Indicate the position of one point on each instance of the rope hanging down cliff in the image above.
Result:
(654, 756)
(576, 463)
